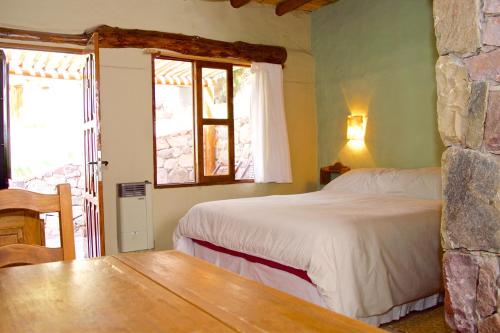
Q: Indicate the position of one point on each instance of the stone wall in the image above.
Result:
(468, 88)
(174, 158)
(174, 153)
(243, 148)
(46, 183)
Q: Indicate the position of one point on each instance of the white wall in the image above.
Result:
(126, 104)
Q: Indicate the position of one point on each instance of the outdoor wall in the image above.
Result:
(126, 90)
(377, 58)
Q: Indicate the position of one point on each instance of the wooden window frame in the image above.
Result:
(199, 121)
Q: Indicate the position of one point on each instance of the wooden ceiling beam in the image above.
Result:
(288, 5)
(239, 3)
(113, 37)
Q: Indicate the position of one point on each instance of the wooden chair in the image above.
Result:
(27, 254)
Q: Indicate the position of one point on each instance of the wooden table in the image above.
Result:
(152, 292)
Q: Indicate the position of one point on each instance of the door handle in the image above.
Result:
(105, 163)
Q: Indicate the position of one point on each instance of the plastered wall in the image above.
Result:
(376, 58)
(126, 101)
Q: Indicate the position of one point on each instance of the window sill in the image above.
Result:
(242, 181)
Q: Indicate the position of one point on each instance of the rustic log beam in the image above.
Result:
(113, 37)
(39, 36)
(239, 3)
(288, 5)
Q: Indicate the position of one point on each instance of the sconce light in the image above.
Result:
(356, 126)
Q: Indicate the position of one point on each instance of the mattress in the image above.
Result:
(298, 286)
(365, 251)
(297, 272)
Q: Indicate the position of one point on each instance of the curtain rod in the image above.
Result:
(168, 53)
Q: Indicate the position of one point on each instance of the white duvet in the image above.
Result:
(365, 252)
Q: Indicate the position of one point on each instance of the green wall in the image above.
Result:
(377, 57)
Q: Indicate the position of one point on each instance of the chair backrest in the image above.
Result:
(13, 200)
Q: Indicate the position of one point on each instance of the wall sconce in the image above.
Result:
(356, 126)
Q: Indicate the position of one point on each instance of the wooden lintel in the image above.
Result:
(113, 37)
(171, 54)
(288, 5)
(39, 36)
(239, 3)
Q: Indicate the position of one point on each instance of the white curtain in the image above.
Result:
(271, 154)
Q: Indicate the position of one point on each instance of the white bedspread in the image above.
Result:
(365, 252)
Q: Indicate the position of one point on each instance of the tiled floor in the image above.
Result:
(427, 321)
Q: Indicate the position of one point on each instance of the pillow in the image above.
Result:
(422, 183)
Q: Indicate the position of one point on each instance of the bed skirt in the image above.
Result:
(297, 286)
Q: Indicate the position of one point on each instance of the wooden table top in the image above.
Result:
(153, 292)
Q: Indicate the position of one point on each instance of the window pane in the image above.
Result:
(214, 93)
(242, 127)
(174, 122)
(215, 150)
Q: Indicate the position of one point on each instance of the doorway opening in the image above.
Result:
(46, 121)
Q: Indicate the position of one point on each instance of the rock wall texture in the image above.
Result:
(46, 183)
(175, 154)
(468, 110)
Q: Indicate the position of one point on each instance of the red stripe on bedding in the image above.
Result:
(295, 271)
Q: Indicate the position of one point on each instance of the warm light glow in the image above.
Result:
(356, 126)
(355, 153)
(356, 145)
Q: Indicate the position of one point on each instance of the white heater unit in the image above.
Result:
(135, 217)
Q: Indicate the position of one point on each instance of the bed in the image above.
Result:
(367, 245)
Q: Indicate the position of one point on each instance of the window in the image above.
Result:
(201, 122)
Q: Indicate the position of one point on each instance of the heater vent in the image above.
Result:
(135, 217)
(131, 190)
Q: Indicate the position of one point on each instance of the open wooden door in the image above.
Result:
(93, 200)
(4, 122)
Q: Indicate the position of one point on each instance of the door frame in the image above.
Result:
(42, 46)
(38, 47)
(5, 172)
